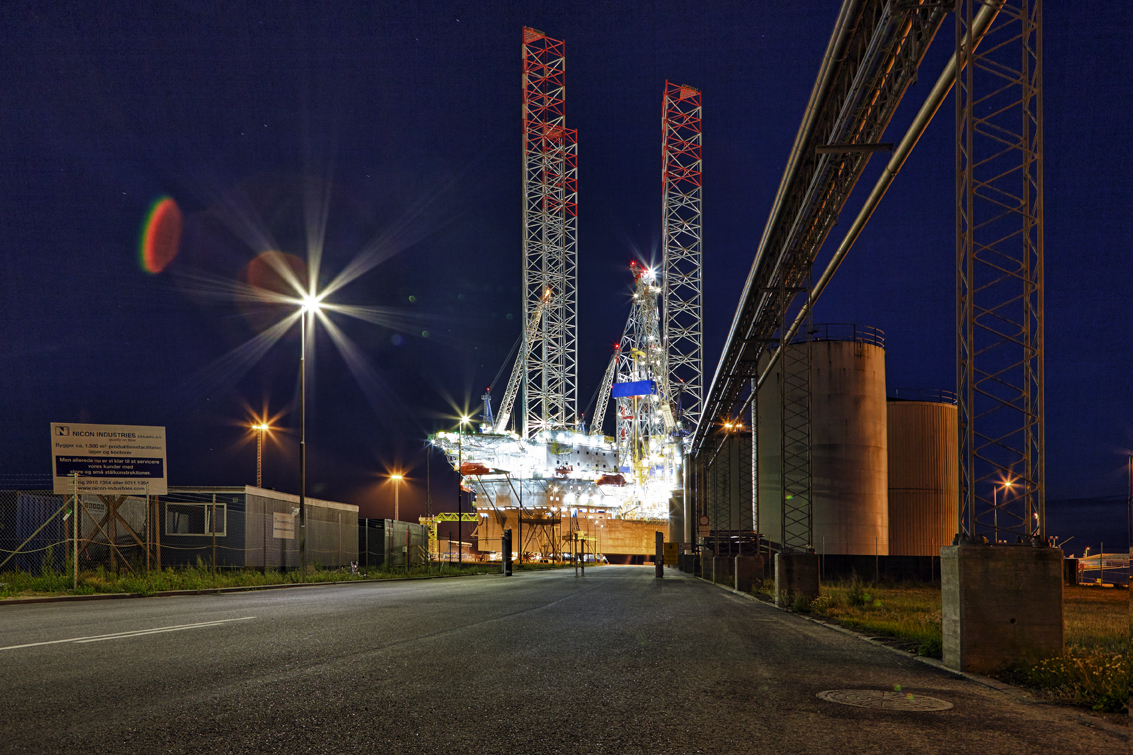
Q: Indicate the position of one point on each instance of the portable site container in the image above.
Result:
(253, 527)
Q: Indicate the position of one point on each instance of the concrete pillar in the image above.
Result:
(1000, 604)
(749, 572)
(796, 576)
(722, 567)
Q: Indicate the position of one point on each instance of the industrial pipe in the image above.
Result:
(932, 104)
(842, 31)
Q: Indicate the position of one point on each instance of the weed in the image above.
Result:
(1089, 678)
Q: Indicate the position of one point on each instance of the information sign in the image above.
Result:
(283, 526)
(109, 459)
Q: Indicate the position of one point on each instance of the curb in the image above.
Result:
(1019, 694)
(216, 590)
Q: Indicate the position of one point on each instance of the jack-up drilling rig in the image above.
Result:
(548, 477)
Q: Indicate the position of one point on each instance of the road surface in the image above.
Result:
(616, 662)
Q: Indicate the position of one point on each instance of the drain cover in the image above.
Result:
(876, 698)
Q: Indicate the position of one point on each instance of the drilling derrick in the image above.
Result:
(644, 417)
(550, 261)
(681, 243)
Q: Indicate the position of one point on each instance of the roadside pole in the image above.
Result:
(75, 524)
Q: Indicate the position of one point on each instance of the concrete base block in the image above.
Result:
(722, 568)
(749, 572)
(1070, 571)
(1001, 605)
(796, 576)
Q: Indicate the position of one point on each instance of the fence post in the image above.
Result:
(212, 526)
(157, 523)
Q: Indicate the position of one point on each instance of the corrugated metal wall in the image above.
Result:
(923, 477)
(386, 543)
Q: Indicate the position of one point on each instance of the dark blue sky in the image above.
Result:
(409, 113)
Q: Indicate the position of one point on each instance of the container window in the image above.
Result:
(200, 519)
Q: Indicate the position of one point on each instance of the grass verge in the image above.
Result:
(1094, 672)
(200, 577)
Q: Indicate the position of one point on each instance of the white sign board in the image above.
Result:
(109, 459)
(283, 526)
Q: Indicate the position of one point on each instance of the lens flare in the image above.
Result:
(277, 272)
(161, 236)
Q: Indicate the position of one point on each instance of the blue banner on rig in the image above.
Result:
(639, 388)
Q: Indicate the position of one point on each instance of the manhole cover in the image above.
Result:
(876, 698)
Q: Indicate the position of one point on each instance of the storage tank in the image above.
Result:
(923, 473)
(849, 457)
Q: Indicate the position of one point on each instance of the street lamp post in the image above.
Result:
(459, 491)
(310, 303)
(260, 430)
(397, 478)
(995, 507)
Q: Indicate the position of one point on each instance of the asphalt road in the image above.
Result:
(617, 662)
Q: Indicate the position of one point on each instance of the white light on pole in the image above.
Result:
(459, 487)
(309, 303)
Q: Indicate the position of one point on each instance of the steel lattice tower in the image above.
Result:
(999, 273)
(797, 524)
(550, 221)
(681, 244)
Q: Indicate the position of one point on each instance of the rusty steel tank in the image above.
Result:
(923, 472)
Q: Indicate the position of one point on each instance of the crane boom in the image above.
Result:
(512, 391)
(604, 393)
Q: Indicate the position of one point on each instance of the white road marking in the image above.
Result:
(135, 633)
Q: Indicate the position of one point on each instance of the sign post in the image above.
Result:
(75, 525)
(108, 459)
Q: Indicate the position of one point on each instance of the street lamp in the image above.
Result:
(459, 486)
(995, 506)
(260, 429)
(397, 478)
(309, 303)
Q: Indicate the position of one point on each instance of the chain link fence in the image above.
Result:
(42, 531)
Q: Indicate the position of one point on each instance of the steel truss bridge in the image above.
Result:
(873, 56)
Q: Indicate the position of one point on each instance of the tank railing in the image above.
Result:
(842, 331)
(931, 395)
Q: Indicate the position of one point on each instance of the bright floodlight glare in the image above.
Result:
(465, 420)
(311, 303)
(396, 476)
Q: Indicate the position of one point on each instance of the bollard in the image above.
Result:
(505, 546)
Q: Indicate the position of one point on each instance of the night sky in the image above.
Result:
(398, 124)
